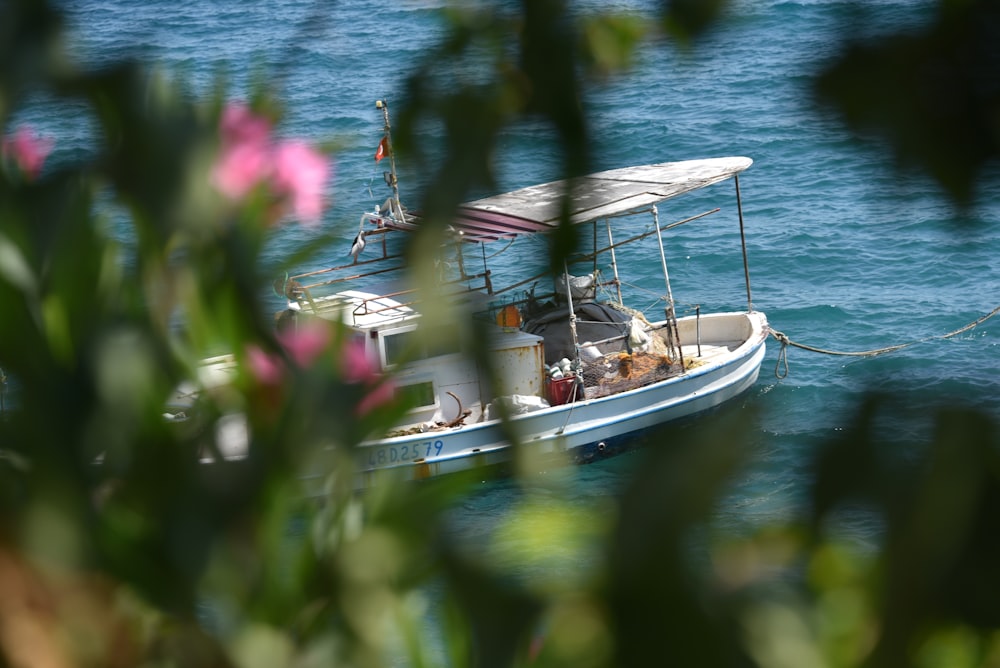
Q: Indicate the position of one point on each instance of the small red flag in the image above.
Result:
(383, 148)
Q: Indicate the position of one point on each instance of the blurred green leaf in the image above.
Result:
(121, 545)
(686, 20)
(931, 95)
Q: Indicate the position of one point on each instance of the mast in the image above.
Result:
(391, 179)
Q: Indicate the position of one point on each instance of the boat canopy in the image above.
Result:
(596, 196)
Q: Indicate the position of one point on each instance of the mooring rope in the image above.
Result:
(781, 367)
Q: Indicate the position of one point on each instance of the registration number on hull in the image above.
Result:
(407, 452)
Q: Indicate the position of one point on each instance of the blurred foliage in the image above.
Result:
(933, 95)
(118, 548)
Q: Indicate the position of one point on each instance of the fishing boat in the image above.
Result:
(571, 368)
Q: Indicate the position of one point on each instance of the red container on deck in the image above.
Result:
(561, 390)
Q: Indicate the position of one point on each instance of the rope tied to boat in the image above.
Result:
(781, 366)
(780, 373)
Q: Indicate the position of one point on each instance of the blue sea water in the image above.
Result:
(846, 253)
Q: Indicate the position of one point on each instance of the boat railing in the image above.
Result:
(347, 278)
(316, 290)
(311, 289)
(411, 298)
(338, 271)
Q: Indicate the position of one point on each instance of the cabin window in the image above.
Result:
(417, 395)
(394, 346)
(406, 345)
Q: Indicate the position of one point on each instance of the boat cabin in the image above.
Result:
(429, 363)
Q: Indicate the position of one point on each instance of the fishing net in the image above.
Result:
(620, 371)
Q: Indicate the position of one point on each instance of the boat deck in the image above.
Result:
(709, 352)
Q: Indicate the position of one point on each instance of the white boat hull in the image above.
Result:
(587, 428)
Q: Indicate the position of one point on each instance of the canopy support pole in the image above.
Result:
(593, 231)
(743, 243)
(673, 336)
(614, 263)
(577, 365)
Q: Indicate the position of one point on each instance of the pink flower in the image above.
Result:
(305, 344)
(266, 368)
(243, 161)
(240, 169)
(360, 368)
(27, 150)
(239, 125)
(377, 396)
(300, 173)
(249, 157)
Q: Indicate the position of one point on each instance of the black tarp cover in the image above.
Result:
(594, 322)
